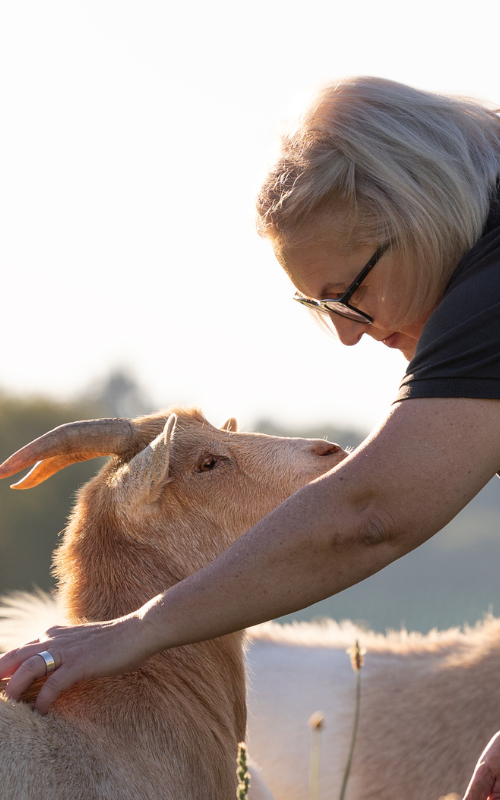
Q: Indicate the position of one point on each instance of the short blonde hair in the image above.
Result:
(381, 161)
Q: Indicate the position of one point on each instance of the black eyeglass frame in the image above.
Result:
(323, 305)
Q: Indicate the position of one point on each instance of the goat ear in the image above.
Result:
(147, 472)
(230, 424)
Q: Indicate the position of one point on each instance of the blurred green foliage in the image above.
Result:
(31, 520)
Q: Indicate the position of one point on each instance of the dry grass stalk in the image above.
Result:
(316, 724)
(356, 653)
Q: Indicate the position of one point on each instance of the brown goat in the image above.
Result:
(164, 506)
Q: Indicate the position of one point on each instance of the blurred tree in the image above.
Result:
(30, 520)
(119, 395)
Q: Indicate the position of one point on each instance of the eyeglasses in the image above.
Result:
(341, 305)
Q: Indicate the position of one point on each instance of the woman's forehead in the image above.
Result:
(319, 268)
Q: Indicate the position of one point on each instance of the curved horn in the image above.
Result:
(44, 469)
(75, 441)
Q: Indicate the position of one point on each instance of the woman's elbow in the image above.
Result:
(371, 527)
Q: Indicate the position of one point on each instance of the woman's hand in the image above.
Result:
(83, 652)
(485, 783)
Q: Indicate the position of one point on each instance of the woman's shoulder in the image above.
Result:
(480, 264)
(458, 353)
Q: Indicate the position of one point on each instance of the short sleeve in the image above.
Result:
(458, 354)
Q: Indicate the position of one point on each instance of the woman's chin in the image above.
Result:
(403, 343)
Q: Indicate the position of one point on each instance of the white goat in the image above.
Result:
(161, 509)
(429, 705)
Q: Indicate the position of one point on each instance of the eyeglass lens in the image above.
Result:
(343, 311)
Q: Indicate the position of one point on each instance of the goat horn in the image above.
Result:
(44, 469)
(75, 441)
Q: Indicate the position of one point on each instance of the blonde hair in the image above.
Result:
(380, 161)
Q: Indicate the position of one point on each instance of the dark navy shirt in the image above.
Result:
(458, 353)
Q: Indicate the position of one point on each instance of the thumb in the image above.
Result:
(482, 783)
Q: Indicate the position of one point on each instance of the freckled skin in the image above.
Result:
(322, 269)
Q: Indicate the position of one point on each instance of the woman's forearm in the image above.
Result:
(288, 561)
(383, 501)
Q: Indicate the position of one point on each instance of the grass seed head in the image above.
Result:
(356, 653)
(317, 721)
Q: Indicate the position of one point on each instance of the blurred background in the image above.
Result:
(133, 140)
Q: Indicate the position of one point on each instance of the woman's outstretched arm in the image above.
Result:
(409, 479)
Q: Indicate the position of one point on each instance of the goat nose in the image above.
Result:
(323, 448)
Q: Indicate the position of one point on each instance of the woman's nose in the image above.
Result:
(348, 330)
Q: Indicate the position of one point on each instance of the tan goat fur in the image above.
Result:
(429, 705)
(160, 511)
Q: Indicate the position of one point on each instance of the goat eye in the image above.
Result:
(207, 464)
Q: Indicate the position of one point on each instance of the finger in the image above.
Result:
(30, 670)
(12, 660)
(481, 784)
(58, 682)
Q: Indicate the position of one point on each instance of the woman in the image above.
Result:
(383, 210)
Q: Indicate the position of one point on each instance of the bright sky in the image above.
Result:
(133, 138)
